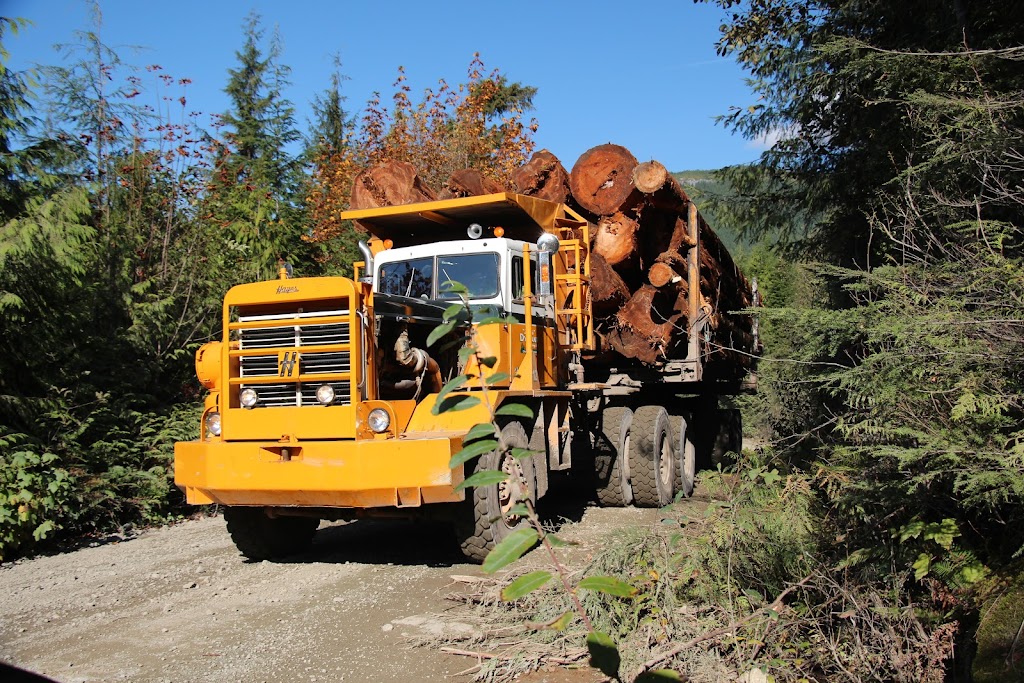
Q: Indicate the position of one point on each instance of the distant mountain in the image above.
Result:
(701, 185)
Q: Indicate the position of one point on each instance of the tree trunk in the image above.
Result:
(392, 183)
(543, 176)
(469, 182)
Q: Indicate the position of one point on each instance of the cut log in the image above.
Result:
(608, 292)
(392, 183)
(601, 181)
(469, 182)
(615, 238)
(543, 176)
(650, 325)
(662, 274)
(659, 187)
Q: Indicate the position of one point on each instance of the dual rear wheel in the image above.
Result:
(643, 457)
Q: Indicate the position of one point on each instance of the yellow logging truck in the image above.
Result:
(323, 390)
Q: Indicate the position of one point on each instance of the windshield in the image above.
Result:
(408, 278)
(478, 272)
(418, 278)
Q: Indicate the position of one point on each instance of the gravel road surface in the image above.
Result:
(179, 604)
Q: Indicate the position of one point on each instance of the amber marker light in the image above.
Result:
(388, 244)
(499, 231)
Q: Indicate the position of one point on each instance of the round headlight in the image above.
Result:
(248, 397)
(213, 423)
(379, 420)
(325, 394)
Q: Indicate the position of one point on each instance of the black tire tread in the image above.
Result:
(611, 491)
(479, 535)
(681, 429)
(645, 457)
(259, 537)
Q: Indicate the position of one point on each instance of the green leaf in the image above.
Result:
(609, 585)
(451, 386)
(518, 510)
(465, 352)
(524, 585)
(453, 287)
(771, 477)
(514, 410)
(922, 565)
(479, 431)
(440, 331)
(452, 311)
(471, 451)
(559, 542)
(483, 478)
(753, 597)
(489, 361)
(657, 676)
(455, 403)
(942, 532)
(604, 655)
(521, 453)
(497, 377)
(511, 548)
(561, 622)
(973, 572)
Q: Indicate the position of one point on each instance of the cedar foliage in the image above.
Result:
(894, 379)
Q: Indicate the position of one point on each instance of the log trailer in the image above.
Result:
(321, 389)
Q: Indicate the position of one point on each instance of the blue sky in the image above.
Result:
(648, 79)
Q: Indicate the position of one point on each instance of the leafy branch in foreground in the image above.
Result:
(490, 437)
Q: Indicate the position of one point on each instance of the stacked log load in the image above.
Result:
(640, 239)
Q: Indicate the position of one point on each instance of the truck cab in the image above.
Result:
(491, 269)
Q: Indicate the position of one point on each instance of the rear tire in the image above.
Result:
(611, 458)
(487, 524)
(651, 457)
(685, 455)
(260, 537)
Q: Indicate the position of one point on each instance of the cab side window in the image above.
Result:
(517, 277)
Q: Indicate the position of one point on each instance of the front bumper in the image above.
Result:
(344, 474)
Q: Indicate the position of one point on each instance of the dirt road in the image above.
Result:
(180, 604)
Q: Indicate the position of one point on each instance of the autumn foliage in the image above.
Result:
(478, 124)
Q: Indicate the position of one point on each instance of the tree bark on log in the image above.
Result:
(392, 183)
(601, 181)
(469, 182)
(608, 292)
(544, 177)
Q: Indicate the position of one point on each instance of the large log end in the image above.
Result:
(602, 180)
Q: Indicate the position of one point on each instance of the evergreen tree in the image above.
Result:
(257, 178)
(898, 160)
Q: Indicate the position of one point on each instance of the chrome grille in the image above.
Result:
(303, 339)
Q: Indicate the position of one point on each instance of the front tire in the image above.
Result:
(491, 504)
(261, 537)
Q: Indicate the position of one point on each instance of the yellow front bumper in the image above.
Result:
(349, 473)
